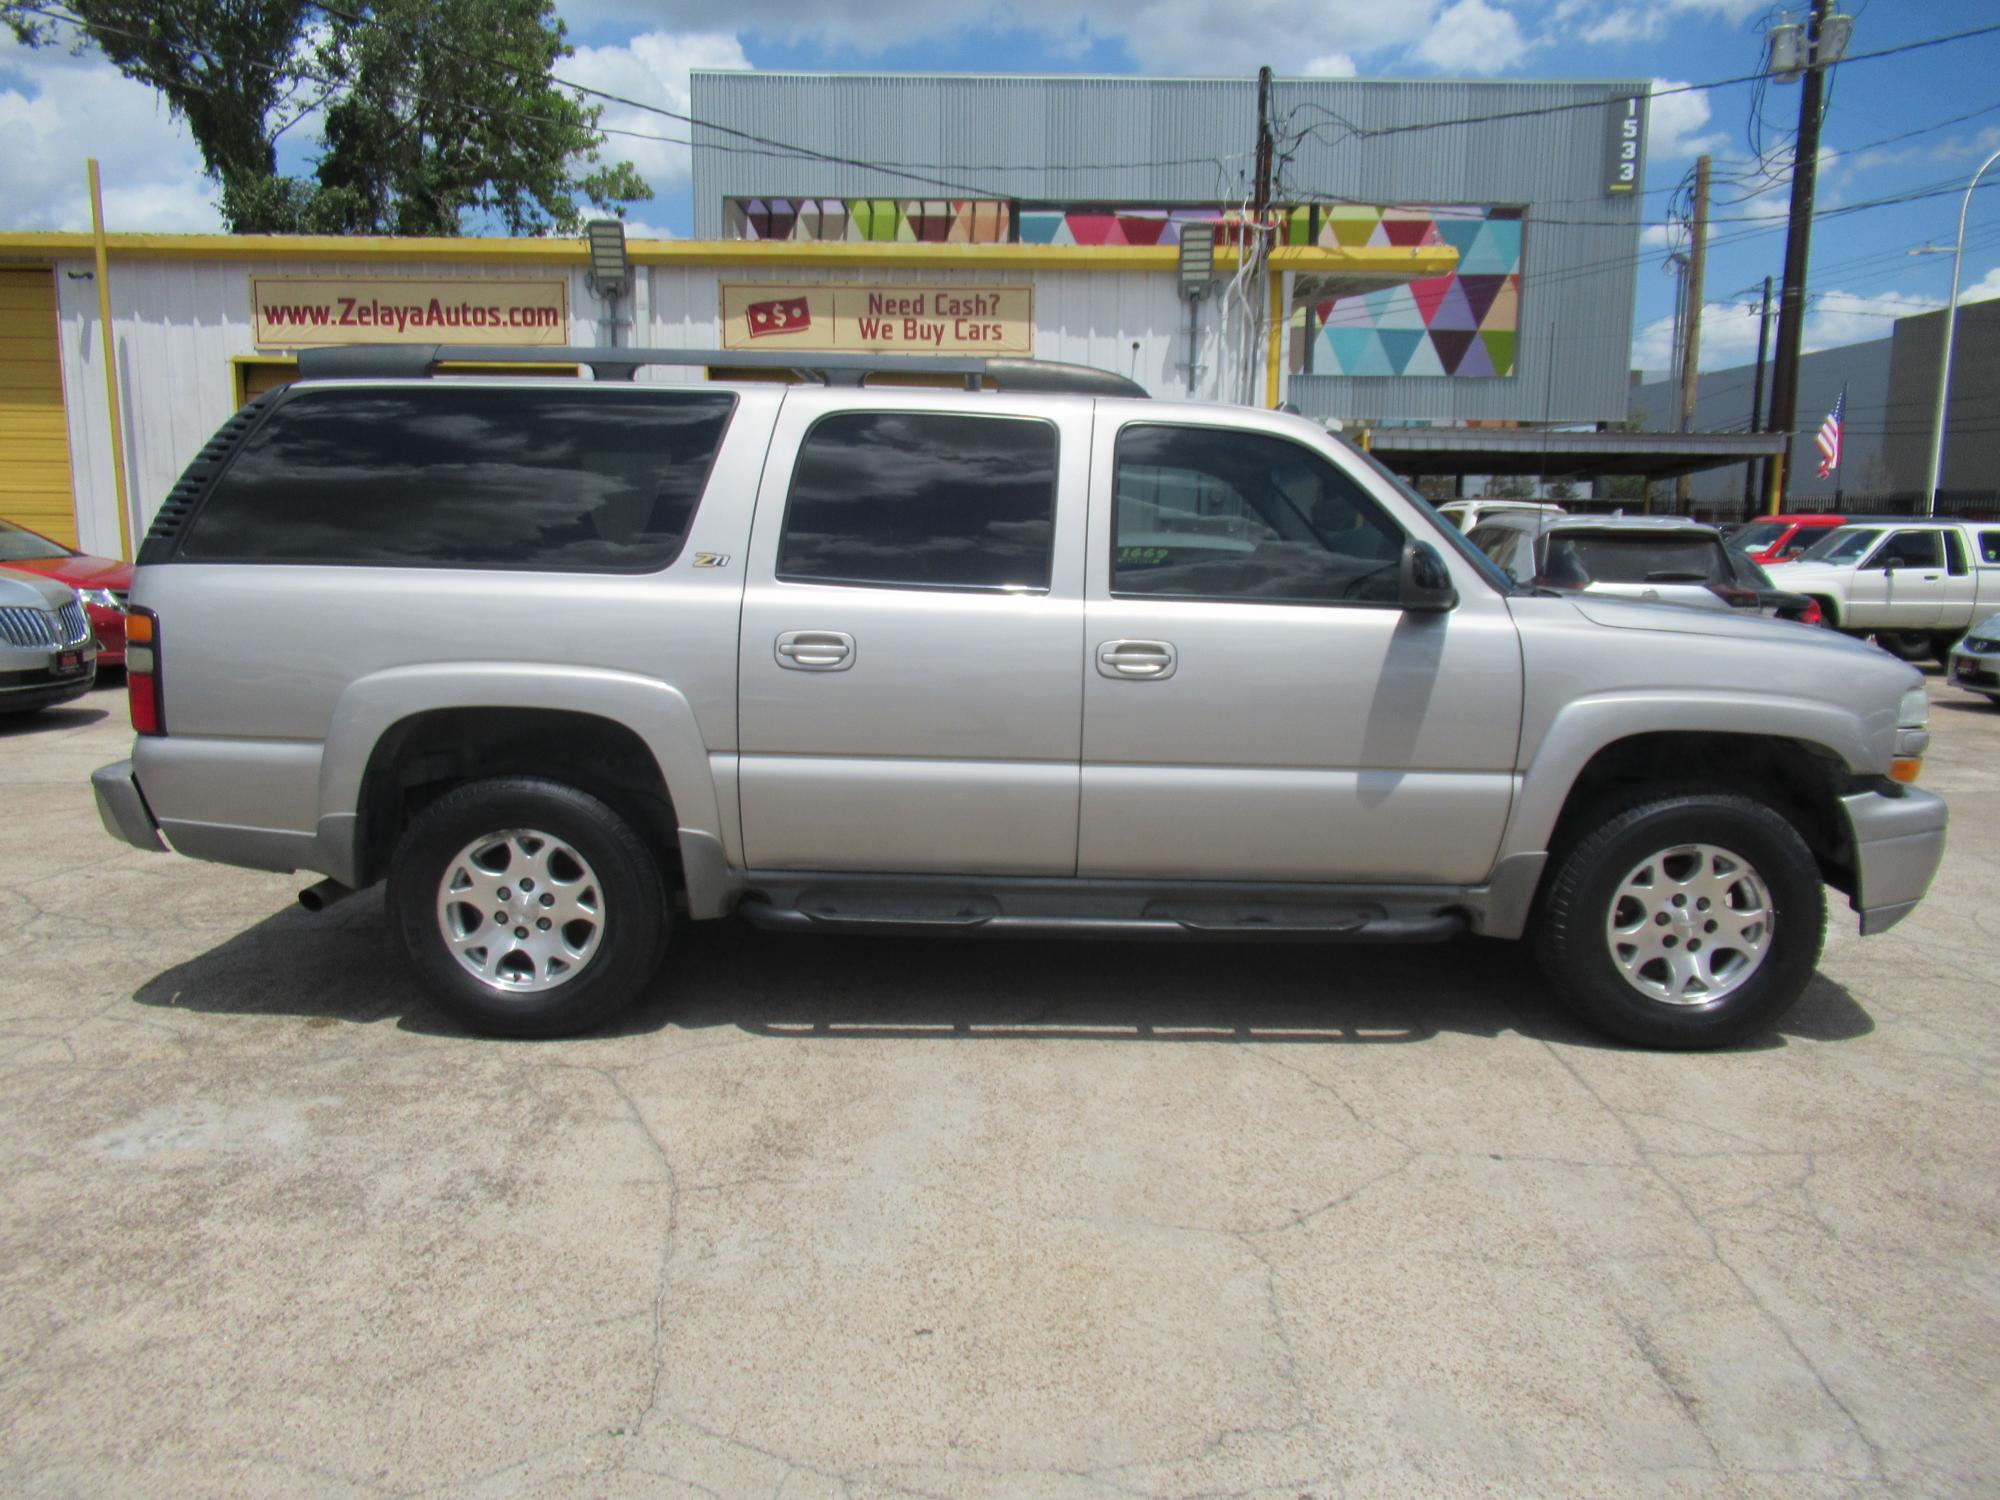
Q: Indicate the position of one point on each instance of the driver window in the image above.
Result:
(1911, 549)
(1212, 513)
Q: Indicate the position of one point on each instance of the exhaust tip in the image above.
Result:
(322, 895)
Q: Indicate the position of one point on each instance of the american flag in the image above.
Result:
(1828, 440)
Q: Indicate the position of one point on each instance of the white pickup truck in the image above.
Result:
(1915, 585)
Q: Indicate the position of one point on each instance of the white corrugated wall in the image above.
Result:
(178, 324)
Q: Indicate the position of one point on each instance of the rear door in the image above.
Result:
(912, 632)
(1256, 705)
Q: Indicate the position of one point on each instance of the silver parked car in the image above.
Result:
(568, 663)
(1660, 559)
(47, 655)
(1975, 660)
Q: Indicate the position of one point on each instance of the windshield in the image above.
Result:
(1452, 535)
(17, 545)
(1759, 536)
(1842, 544)
(1577, 558)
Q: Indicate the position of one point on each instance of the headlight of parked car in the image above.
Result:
(101, 598)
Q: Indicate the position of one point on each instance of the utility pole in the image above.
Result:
(1757, 400)
(1798, 246)
(1260, 212)
(1691, 351)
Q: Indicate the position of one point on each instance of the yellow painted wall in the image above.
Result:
(34, 437)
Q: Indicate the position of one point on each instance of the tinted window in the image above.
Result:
(467, 476)
(1759, 535)
(1912, 549)
(1508, 548)
(1843, 544)
(1209, 513)
(1954, 554)
(20, 545)
(1605, 557)
(922, 500)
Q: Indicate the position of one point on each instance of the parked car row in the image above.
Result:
(1919, 587)
(62, 615)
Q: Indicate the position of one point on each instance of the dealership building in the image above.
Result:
(1442, 256)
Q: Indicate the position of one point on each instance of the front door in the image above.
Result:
(1256, 704)
(1912, 562)
(908, 670)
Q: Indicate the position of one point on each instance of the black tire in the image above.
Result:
(618, 871)
(1907, 645)
(1577, 903)
(1941, 645)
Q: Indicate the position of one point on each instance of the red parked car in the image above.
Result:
(101, 582)
(1781, 538)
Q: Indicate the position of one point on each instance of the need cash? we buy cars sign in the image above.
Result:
(915, 319)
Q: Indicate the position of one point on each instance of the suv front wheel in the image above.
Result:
(1689, 921)
(529, 908)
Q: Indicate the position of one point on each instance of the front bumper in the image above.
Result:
(1976, 671)
(1898, 844)
(122, 807)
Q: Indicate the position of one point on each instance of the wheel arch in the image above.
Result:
(400, 736)
(1799, 758)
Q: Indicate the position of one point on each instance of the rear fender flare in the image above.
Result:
(658, 713)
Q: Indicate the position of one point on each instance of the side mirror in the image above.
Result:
(1425, 585)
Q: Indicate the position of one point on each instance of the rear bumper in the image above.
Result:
(1898, 844)
(123, 808)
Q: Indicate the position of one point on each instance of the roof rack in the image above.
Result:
(420, 361)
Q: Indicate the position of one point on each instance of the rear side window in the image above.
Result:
(1610, 558)
(467, 476)
(893, 499)
(1989, 546)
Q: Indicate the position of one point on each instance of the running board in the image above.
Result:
(1092, 912)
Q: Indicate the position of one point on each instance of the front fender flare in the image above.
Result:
(1585, 726)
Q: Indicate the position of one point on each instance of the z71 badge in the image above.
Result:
(711, 559)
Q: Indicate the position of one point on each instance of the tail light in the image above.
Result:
(142, 672)
(1811, 614)
(1735, 596)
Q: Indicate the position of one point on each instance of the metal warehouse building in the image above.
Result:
(1444, 253)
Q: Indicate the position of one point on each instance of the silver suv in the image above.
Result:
(569, 662)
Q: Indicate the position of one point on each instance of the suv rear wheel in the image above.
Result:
(527, 907)
(1688, 921)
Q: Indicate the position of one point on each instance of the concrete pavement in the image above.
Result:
(859, 1218)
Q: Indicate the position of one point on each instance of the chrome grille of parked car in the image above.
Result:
(75, 625)
(21, 625)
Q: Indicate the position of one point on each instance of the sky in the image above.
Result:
(1915, 122)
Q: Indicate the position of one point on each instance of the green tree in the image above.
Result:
(431, 111)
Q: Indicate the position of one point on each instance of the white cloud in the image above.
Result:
(1208, 37)
(1675, 122)
(1333, 65)
(1625, 24)
(56, 109)
(1986, 287)
(652, 67)
(1833, 319)
(1472, 37)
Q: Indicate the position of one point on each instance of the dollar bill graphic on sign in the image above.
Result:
(779, 315)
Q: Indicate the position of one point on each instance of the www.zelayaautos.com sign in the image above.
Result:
(298, 310)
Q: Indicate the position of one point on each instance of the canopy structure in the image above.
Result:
(1416, 452)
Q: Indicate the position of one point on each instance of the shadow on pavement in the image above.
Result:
(343, 965)
(49, 720)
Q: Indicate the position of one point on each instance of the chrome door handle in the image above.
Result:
(816, 650)
(1148, 660)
